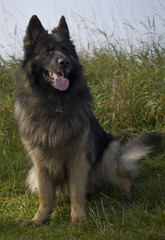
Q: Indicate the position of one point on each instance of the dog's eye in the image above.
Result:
(48, 51)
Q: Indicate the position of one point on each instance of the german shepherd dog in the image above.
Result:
(70, 152)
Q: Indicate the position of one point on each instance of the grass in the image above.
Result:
(128, 93)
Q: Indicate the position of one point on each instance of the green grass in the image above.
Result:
(128, 95)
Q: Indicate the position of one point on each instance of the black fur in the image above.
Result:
(70, 151)
(41, 49)
(100, 138)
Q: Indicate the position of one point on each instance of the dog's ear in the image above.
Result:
(34, 31)
(62, 28)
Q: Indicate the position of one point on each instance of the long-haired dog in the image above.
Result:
(70, 152)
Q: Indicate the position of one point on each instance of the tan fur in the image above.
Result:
(46, 192)
(113, 169)
(81, 178)
(70, 152)
(50, 172)
(78, 175)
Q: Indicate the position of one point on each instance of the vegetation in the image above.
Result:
(128, 98)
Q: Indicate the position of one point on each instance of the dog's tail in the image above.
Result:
(136, 149)
(140, 146)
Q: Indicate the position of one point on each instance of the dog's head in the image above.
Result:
(50, 58)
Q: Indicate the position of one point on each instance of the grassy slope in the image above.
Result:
(128, 92)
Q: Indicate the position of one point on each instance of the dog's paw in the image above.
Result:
(127, 197)
(32, 224)
(28, 223)
(78, 219)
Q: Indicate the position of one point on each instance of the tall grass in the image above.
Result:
(128, 88)
(128, 98)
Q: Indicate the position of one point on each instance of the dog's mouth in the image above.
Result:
(57, 80)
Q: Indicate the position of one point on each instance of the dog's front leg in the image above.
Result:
(78, 176)
(46, 191)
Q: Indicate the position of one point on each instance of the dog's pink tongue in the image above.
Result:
(61, 83)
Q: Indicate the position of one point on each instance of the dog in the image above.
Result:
(70, 152)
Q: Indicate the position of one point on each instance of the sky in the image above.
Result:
(91, 22)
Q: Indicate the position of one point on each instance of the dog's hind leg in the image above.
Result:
(78, 175)
(117, 171)
(129, 154)
(122, 180)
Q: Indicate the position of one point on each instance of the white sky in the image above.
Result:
(119, 19)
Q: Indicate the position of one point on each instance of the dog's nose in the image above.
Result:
(63, 62)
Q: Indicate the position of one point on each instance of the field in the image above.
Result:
(128, 90)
